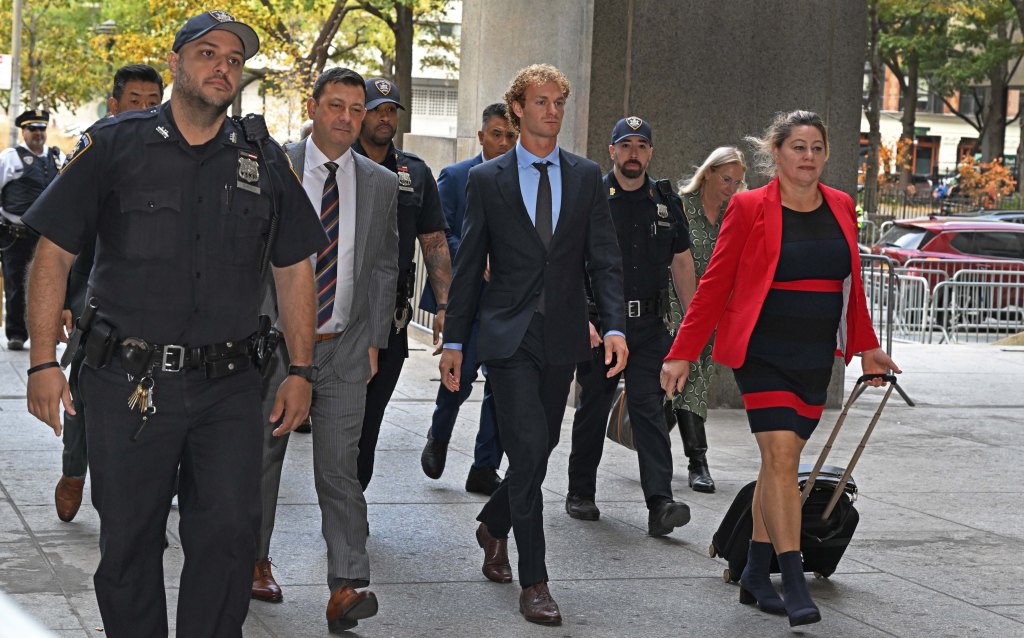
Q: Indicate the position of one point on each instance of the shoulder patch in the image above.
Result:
(412, 156)
(123, 117)
(84, 144)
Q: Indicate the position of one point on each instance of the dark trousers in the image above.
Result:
(75, 459)
(529, 397)
(212, 428)
(648, 343)
(15, 262)
(378, 394)
(446, 409)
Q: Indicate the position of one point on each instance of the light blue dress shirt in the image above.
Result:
(529, 181)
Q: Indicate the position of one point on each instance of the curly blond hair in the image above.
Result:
(532, 75)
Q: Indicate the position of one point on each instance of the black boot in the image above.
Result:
(695, 446)
(755, 581)
(799, 605)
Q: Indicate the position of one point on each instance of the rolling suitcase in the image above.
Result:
(828, 519)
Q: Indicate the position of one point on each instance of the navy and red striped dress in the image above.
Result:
(784, 379)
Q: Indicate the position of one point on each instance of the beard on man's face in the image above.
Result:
(191, 90)
(631, 169)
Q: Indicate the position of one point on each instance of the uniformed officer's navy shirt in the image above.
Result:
(419, 205)
(179, 230)
(651, 231)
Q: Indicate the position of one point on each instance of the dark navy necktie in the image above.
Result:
(327, 259)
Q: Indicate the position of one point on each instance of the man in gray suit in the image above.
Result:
(356, 278)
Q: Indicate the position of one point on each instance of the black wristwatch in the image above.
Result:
(306, 372)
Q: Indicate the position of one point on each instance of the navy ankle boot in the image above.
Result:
(799, 606)
(755, 581)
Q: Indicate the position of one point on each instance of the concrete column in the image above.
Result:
(704, 74)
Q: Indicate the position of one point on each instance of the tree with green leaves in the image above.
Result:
(984, 51)
(912, 39)
(64, 58)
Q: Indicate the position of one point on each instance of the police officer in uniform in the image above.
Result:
(136, 86)
(25, 170)
(419, 216)
(653, 237)
(180, 203)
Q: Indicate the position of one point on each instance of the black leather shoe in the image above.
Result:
(667, 516)
(581, 508)
(700, 476)
(482, 480)
(433, 458)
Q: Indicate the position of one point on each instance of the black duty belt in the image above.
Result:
(642, 307)
(219, 359)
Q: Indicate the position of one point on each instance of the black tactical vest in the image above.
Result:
(38, 172)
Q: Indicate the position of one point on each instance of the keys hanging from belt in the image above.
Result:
(142, 399)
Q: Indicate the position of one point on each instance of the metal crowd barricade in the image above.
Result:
(967, 311)
(879, 276)
(912, 311)
(878, 273)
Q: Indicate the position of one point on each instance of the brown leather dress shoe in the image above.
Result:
(347, 607)
(264, 587)
(537, 605)
(496, 567)
(68, 497)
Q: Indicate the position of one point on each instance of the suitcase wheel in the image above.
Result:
(727, 575)
(711, 550)
(820, 575)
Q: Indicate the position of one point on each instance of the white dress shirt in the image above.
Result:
(314, 174)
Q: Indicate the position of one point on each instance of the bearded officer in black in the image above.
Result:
(25, 170)
(179, 204)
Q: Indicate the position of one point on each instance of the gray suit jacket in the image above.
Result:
(376, 265)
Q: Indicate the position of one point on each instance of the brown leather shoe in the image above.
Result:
(68, 497)
(537, 605)
(347, 607)
(496, 567)
(264, 587)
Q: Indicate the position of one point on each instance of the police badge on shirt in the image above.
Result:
(248, 172)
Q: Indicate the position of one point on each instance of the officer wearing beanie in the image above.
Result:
(25, 170)
(179, 203)
(653, 237)
(421, 217)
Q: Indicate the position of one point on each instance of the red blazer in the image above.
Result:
(733, 289)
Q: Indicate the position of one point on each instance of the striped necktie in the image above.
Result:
(327, 259)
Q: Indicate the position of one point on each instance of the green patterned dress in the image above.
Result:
(703, 235)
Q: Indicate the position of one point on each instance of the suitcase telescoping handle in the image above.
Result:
(809, 485)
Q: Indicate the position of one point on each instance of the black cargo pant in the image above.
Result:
(212, 428)
(378, 394)
(648, 343)
(15, 260)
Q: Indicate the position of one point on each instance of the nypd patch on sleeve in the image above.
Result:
(84, 144)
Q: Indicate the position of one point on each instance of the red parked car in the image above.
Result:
(955, 244)
(951, 238)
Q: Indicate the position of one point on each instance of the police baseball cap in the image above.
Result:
(630, 126)
(380, 91)
(35, 118)
(199, 25)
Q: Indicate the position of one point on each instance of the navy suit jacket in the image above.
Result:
(451, 186)
(498, 226)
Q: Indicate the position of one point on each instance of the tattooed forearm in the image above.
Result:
(438, 263)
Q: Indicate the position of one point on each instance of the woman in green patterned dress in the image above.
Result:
(704, 196)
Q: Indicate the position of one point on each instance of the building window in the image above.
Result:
(435, 102)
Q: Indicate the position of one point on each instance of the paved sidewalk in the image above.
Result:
(938, 551)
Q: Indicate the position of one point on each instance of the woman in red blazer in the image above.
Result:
(784, 290)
